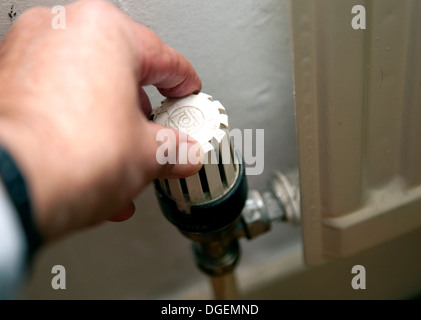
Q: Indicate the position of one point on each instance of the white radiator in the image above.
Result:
(358, 113)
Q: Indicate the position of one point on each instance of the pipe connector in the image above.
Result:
(280, 203)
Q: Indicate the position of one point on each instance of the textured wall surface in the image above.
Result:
(241, 51)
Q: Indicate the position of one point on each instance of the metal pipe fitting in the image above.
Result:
(281, 202)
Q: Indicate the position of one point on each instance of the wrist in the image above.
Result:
(20, 143)
(17, 190)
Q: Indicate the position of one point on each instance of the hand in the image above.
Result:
(74, 115)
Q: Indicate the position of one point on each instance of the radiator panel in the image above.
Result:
(358, 113)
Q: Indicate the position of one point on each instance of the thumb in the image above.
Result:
(171, 154)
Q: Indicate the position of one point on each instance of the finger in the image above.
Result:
(162, 66)
(145, 103)
(125, 214)
(168, 153)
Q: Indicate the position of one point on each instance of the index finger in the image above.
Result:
(163, 66)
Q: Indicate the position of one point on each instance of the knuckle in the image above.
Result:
(96, 16)
(99, 10)
(32, 15)
(35, 11)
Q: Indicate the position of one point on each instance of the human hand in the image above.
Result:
(74, 115)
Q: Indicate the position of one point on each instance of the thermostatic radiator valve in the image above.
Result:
(215, 196)
(206, 207)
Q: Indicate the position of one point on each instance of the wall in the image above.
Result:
(241, 52)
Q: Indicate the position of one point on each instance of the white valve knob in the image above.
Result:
(205, 120)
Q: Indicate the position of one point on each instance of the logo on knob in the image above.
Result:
(188, 119)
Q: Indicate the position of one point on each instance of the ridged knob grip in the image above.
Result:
(205, 120)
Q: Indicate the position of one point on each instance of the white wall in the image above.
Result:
(241, 51)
